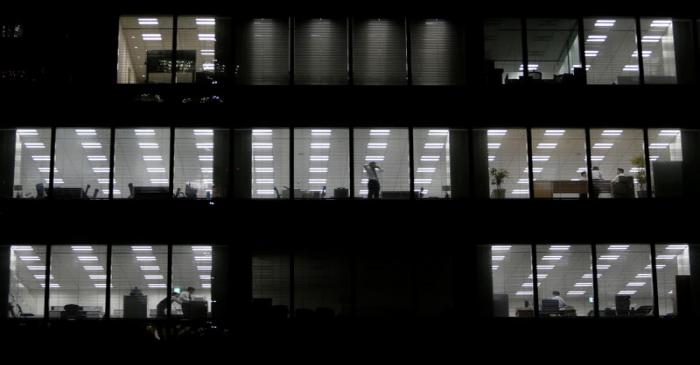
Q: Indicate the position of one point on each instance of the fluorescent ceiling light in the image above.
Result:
(665, 257)
(105, 181)
(321, 132)
(425, 169)
(207, 37)
(152, 37)
(153, 277)
(576, 292)
(530, 67)
(676, 247)
(604, 23)
(148, 145)
(669, 132)
(141, 248)
(27, 132)
(523, 293)
(157, 286)
(93, 267)
(204, 268)
(497, 132)
(494, 146)
(144, 132)
(41, 158)
(159, 181)
(612, 132)
(81, 248)
(439, 132)
(559, 247)
(430, 158)
(631, 68)
(539, 276)
(203, 132)
(596, 38)
(324, 145)
(36, 268)
(379, 132)
(618, 247)
(535, 170)
(661, 23)
(97, 158)
(206, 158)
(546, 145)
(97, 277)
(317, 181)
(205, 21)
(636, 284)
(591, 53)
(523, 181)
(264, 181)
(645, 54)
(154, 170)
(263, 158)
(202, 258)
(596, 158)
(264, 169)
(208, 170)
(520, 192)
(498, 258)
(318, 158)
(21, 248)
(651, 39)
(265, 192)
(205, 277)
(627, 292)
(150, 268)
(590, 276)
(583, 285)
(545, 267)
(494, 267)
(643, 276)
(100, 169)
(529, 285)
(492, 158)
(34, 145)
(153, 158)
(262, 132)
(658, 267)
(30, 258)
(374, 158)
(603, 145)
(88, 258)
(148, 21)
(501, 248)
(540, 158)
(551, 258)
(51, 285)
(145, 258)
(42, 277)
(210, 145)
(658, 146)
(609, 257)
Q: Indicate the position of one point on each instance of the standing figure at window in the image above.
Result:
(372, 180)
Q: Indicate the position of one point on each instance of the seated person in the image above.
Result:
(620, 173)
(557, 296)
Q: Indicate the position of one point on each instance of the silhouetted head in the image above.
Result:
(556, 293)
(190, 289)
(620, 170)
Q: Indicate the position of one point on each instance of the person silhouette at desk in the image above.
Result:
(373, 186)
(596, 175)
(620, 173)
(184, 299)
(557, 296)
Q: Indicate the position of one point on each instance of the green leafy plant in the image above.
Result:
(641, 173)
(498, 176)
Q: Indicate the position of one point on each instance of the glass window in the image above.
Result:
(201, 163)
(202, 49)
(432, 175)
(672, 268)
(271, 284)
(139, 281)
(141, 163)
(79, 151)
(511, 268)
(26, 159)
(437, 52)
(145, 50)
(565, 280)
(320, 51)
(507, 154)
(610, 46)
(658, 51)
(79, 287)
(552, 49)
(559, 163)
(27, 281)
(382, 163)
(262, 52)
(321, 163)
(618, 156)
(504, 50)
(322, 285)
(624, 285)
(666, 158)
(192, 280)
(379, 52)
(270, 153)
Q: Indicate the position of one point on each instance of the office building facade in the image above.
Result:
(182, 165)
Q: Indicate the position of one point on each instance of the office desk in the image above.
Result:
(87, 312)
(547, 188)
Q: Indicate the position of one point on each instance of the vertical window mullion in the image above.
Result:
(589, 165)
(638, 27)
(530, 173)
(52, 162)
(47, 282)
(292, 26)
(351, 161)
(350, 71)
(112, 148)
(647, 161)
(173, 58)
(525, 56)
(409, 67)
(171, 162)
(535, 290)
(654, 279)
(169, 282)
(411, 173)
(291, 163)
(594, 273)
(108, 283)
(582, 49)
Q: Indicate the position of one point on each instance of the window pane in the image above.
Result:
(141, 163)
(27, 281)
(432, 175)
(322, 285)
(437, 52)
(507, 154)
(145, 50)
(271, 163)
(26, 159)
(672, 267)
(559, 163)
(618, 154)
(504, 49)
(320, 51)
(201, 163)
(139, 281)
(379, 52)
(262, 52)
(271, 284)
(611, 51)
(511, 267)
(321, 163)
(624, 286)
(565, 289)
(388, 150)
(79, 286)
(192, 280)
(79, 151)
(666, 157)
(552, 49)
(202, 49)
(658, 51)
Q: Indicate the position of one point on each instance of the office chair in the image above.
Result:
(549, 307)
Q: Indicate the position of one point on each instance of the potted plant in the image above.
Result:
(640, 174)
(497, 178)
